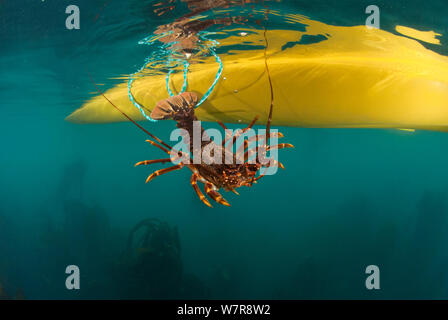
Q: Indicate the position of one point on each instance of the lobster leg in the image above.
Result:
(281, 146)
(163, 171)
(226, 138)
(235, 192)
(152, 161)
(158, 146)
(251, 124)
(250, 152)
(274, 163)
(241, 132)
(257, 138)
(211, 191)
(194, 184)
(222, 125)
(180, 154)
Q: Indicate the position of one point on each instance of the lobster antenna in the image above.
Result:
(271, 108)
(268, 125)
(128, 117)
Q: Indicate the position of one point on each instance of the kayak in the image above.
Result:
(323, 77)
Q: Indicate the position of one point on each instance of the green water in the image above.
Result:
(69, 193)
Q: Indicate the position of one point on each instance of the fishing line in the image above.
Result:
(184, 86)
(202, 35)
(131, 97)
(214, 43)
(218, 74)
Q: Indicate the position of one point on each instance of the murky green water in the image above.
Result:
(69, 194)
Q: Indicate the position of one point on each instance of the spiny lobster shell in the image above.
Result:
(166, 109)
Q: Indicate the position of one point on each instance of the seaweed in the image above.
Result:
(151, 265)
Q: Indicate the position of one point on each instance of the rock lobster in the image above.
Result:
(214, 176)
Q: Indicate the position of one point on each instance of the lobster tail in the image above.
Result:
(180, 104)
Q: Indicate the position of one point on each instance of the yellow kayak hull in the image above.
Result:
(356, 77)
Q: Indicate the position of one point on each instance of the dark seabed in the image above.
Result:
(70, 195)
